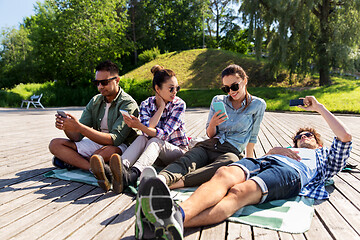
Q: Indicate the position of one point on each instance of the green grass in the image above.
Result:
(201, 68)
(198, 72)
(343, 96)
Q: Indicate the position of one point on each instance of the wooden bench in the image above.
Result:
(34, 100)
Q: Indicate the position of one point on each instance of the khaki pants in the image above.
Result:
(200, 163)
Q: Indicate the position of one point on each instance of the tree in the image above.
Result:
(14, 57)
(307, 34)
(168, 25)
(70, 37)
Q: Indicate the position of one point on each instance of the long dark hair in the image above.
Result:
(236, 70)
(161, 75)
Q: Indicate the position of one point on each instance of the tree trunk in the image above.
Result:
(324, 60)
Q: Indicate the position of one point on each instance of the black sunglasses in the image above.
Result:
(102, 82)
(234, 87)
(308, 134)
(173, 88)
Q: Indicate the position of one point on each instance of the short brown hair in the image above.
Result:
(317, 135)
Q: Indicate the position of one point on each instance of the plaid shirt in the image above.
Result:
(171, 126)
(329, 163)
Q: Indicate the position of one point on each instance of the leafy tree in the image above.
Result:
(307, 34)
(14, 57)
(169, 25)
(70, 37)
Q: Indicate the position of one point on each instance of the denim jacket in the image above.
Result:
(242, 126)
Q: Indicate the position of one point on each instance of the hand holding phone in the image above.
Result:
(220, 106)
(125, 113)
(62, 114)
(296, 102)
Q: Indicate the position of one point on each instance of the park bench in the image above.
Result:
(34, 100)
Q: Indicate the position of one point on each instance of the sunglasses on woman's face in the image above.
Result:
(103, 82)
(234, 87)
(308, 134)
(174, 88)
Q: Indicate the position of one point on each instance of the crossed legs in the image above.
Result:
(66, 150)
(225, 193)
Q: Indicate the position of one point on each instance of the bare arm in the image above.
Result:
(338, 128)
(154, 120)
(249, 153)
(73, 128)
(215, 121)
(134, 122)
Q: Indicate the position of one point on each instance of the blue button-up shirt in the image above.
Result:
(242, 126)
(328, 162)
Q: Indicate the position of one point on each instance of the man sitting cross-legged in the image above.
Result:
(280, 174)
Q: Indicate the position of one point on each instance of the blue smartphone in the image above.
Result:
(220, 106)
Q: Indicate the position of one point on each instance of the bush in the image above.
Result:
(149, 55)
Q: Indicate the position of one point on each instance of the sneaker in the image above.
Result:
(143, 228)
(101, 171)
(57, 162)
(160, 210)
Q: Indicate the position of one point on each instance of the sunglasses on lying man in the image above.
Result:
(102, 82)
(307, 134)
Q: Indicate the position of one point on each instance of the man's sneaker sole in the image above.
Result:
(157, 206)
(116, 169)
(97, 168)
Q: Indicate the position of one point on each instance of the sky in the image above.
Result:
(12, 12)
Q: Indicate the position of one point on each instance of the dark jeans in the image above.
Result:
(200, 163)
(276, 179)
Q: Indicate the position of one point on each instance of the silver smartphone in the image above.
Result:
(125, 113)
(62, 114)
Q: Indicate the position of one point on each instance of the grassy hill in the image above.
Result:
(201, 68)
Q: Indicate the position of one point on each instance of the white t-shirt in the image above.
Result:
(104, 122)
(306, 166)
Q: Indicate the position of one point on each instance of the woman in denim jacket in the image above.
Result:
(228, 135)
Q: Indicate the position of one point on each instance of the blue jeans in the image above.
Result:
(276, 179)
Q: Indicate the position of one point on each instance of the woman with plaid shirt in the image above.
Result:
(162, 124)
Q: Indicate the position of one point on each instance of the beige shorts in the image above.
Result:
(87, 147)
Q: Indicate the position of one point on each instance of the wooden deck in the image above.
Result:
(35, 207)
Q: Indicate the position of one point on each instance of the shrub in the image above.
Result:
(149, 55)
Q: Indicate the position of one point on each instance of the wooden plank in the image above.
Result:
(103, 218)
(216, 231)
(317, 230)
(238, 231)
(335, 223)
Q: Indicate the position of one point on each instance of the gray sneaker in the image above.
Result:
(160, 209)
(101, 171)
(143, 228)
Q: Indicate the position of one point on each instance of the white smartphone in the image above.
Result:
(62, 114)
(125, 113)
(220, 106)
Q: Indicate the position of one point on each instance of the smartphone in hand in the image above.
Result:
(220, 106)
(125, 113)
(62, 114)
(296, 102)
